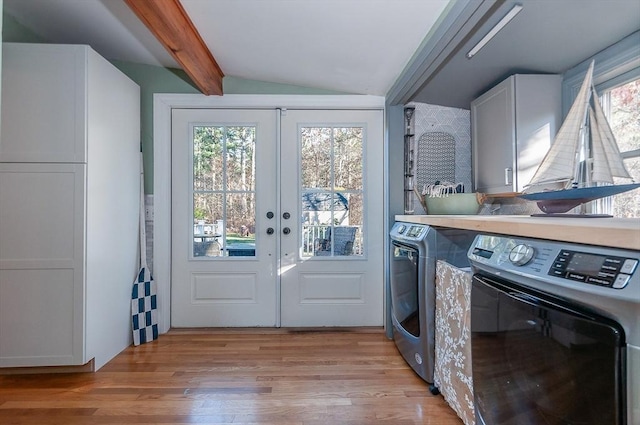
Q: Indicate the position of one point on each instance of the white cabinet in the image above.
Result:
(513, 125)
(69, 195)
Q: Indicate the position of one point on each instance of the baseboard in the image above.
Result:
(33, 370)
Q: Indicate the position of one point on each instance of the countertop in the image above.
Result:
(612, 232)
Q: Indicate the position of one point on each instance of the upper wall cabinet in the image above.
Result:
(43, 121)
(513, 125)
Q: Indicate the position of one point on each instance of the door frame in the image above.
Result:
(162, 106)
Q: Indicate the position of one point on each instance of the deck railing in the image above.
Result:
(311, 233)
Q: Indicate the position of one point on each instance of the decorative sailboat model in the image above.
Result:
(582, 160)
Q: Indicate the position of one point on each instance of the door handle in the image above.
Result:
(286, 216)
(270, 214)
(286, 230)
(270, 231)
(508, 173)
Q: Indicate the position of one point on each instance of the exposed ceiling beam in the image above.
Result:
(170, 24)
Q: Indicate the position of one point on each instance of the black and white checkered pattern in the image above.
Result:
(144, 310)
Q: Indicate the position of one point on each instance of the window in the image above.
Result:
(332, 190)
(223, 191)
(622, 106)
(617, 80)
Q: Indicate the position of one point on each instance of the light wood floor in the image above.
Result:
(242, 376)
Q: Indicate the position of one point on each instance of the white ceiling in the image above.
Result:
(354, 46)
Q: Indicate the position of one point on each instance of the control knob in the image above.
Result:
(521, 254)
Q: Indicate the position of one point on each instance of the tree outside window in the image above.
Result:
(624, 117)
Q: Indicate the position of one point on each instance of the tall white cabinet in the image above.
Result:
(69, 199)
(512, 127)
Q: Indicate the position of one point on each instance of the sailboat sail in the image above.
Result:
(559, 165)
(607, 161)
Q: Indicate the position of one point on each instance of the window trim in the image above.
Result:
(616, 65)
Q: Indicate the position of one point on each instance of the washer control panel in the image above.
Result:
(559, 262)
(596, 269)
(407, 231)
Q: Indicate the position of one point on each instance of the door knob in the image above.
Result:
(270, 231)
(270, 214)
(286, 230)
(286, 216)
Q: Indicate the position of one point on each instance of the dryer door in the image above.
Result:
(538, 357)
(405, 302)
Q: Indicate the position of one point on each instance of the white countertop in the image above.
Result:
(612, 232)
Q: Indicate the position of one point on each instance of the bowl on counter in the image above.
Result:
(454, 204)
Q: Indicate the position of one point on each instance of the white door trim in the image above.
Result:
(162, 106)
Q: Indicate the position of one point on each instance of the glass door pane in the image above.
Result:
(224, 191)
(331, 164)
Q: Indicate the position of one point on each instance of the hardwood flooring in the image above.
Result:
(239, 376)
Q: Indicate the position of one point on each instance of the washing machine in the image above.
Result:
(415, 248)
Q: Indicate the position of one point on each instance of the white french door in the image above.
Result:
(276, 218)
(331, 179)
(223, 261)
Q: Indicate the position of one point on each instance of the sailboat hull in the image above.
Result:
(561, 201)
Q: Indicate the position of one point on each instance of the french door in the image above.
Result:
(277, 218)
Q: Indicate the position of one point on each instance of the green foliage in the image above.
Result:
(199, 213)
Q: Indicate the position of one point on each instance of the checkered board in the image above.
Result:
(144, 311)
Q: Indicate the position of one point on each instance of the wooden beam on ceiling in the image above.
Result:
(170, 24)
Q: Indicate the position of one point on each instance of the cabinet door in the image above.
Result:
(538, 117)
(493, 121)
(43, 103)
(41, 264)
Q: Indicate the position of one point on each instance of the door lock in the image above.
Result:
(286, 216)
(270, 214)
(270, 231)
(286, 230)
